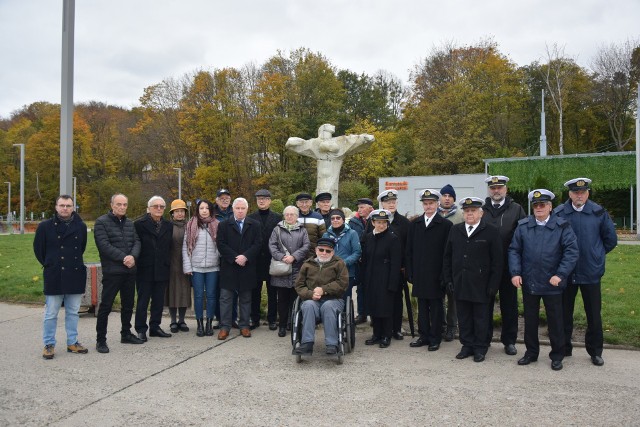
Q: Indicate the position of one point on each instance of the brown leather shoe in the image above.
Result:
(245, 332)
(223, 334)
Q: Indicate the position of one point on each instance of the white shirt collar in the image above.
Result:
(577, 209)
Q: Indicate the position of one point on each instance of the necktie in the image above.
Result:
(239, 225)
(496, 205)
(470, 228)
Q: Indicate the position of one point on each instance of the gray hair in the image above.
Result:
(291, 208)
(240, 200)
(154, 198)
(118, 194)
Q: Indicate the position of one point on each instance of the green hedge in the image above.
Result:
(608, 172)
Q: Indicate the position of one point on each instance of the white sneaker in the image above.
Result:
(216, 323)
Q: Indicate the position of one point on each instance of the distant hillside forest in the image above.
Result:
(228, 127)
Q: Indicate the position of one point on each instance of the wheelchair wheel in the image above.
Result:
(350, 326)
(298, 358)
(296, 324)
(340, 359)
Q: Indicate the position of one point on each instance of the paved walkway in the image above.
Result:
(185, 380)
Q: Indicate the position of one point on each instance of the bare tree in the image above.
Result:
(557, 79)
(614, 68)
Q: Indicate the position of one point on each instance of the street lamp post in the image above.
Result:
(9, 227)
(75, 207)
(179, 182)
(21, 186)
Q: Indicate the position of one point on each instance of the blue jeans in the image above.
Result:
(71, 307)
(204, 282)
(326, 310)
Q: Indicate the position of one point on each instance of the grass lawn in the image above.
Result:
(21, 281)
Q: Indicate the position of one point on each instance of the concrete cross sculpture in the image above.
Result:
(330, 152)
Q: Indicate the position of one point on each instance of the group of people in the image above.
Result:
(456, 257)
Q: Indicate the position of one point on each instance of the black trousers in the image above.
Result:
(472, 326)
(553, 308)
(508, 312)
(430, 315)
(381, 327)
(592, 299)
(256, 301)
(450, 320)
(286, 297)
(154, 291)
(398, 310)
(111, 285)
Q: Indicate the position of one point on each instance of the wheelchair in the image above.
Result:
(346, 329)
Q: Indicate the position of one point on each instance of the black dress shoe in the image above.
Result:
(478, 357)
(449, 335)
(463, 354)
(162, 334)
(273, 326)
(282, 332)
(373, 340)
(254, 324)
(174, 327)
(526, 359)
(130, 339)
(398, 335)
(556, 365)
(597, 360)
(361, 319)
(510, 349)
(434, 347)
(101, 347)
(183, 327)
(418, 342)
(385, 342)
(142, 336)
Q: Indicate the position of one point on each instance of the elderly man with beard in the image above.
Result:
(321, 283)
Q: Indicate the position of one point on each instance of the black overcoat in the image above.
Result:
(155, 249)
(59, 247)
(232, 243)
(381, 260)
(473, 264)
(268, 223)
(424, 254)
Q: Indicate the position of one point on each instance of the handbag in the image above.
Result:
(280, 268)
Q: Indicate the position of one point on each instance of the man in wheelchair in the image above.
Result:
(321, 282)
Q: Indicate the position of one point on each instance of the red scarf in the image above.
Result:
(191, 232)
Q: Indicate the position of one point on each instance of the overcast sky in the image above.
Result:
(123, 46)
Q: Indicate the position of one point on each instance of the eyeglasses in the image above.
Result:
(158, 206)
(322, 250)
(65, 206)
(335, 218)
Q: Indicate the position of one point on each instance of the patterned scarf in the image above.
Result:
(191, 230)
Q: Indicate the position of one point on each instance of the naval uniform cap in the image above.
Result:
(578, 184)
(323, 196)
(496, 180)
(541, 195)
(388, 195)
(380, 214)
(223, 191)
(429, 194)
(471, 202)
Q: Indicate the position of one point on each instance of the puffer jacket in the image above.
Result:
(204, 257)
(315, 226)
(115, 239)
(332, 277)
(596, 238)
(539, 252)
(297, 243)
(347, 247)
